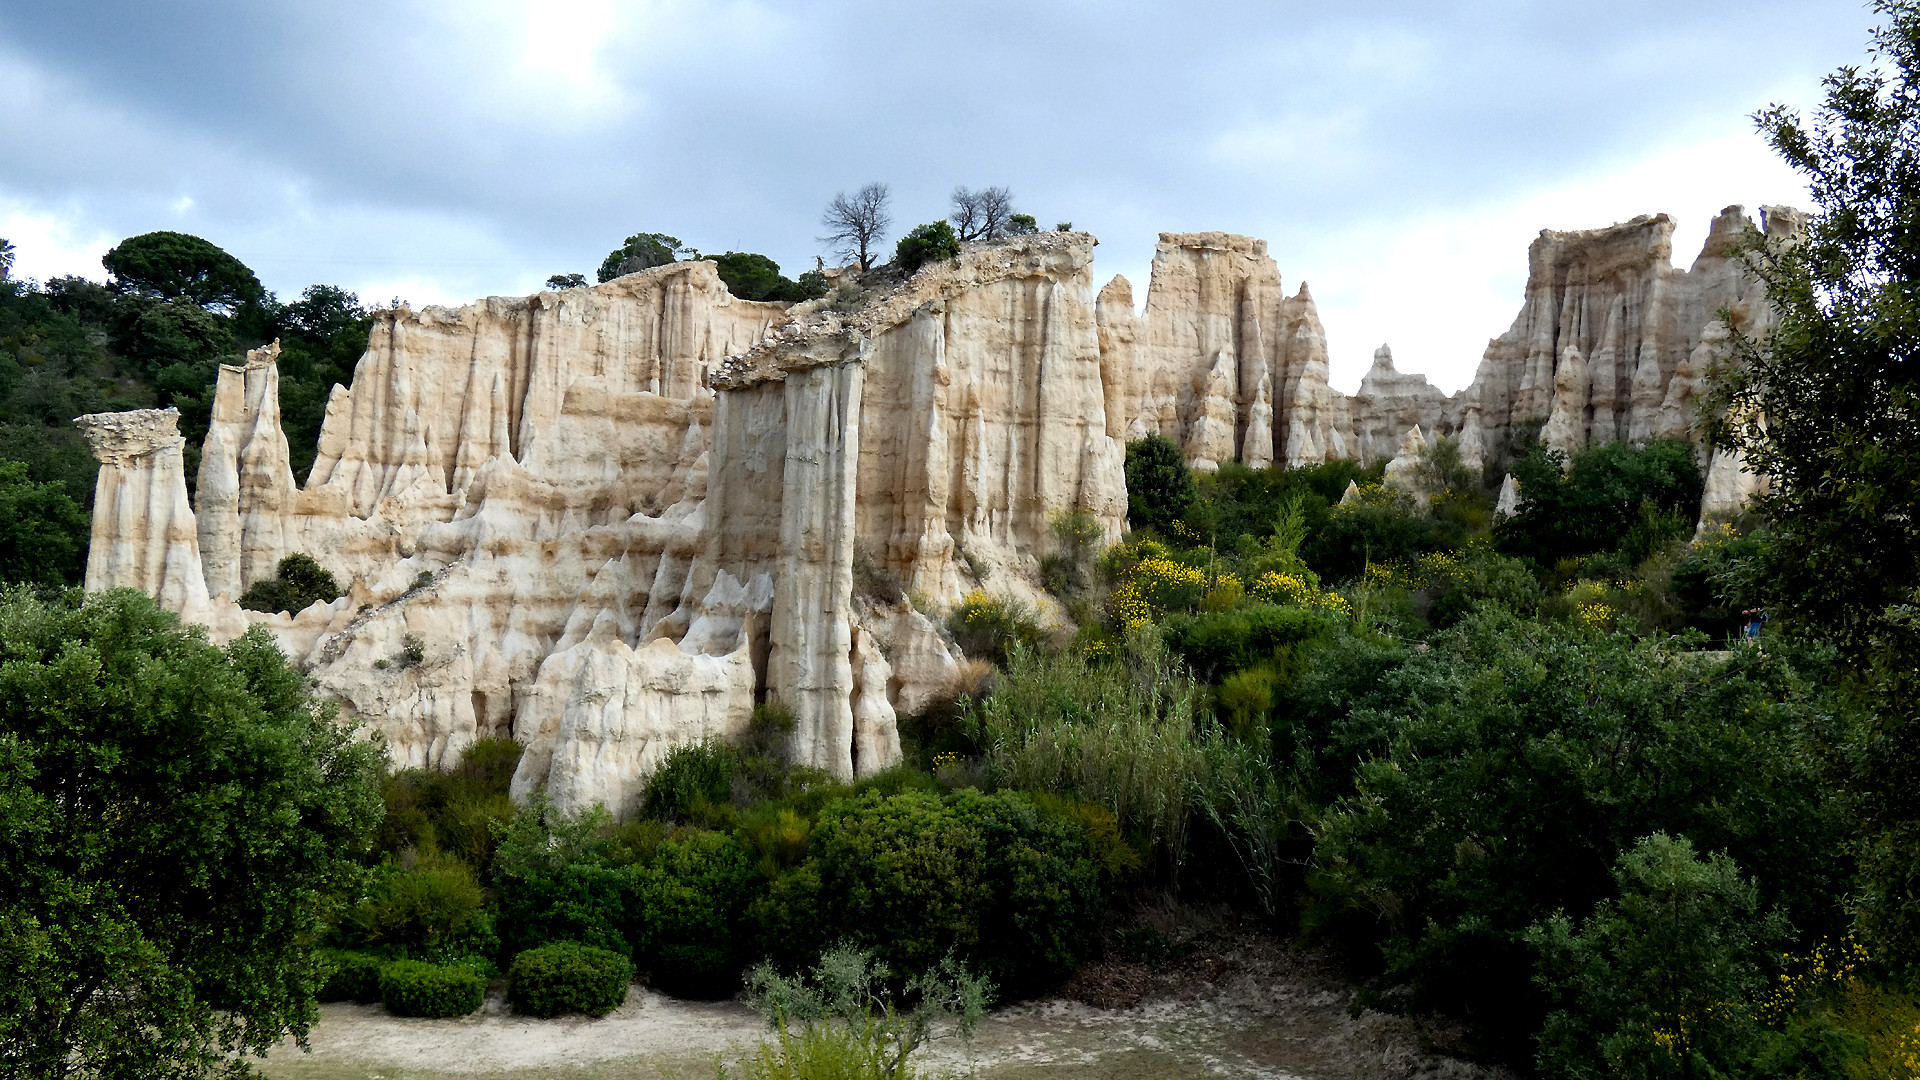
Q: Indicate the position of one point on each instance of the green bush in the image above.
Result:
(690, 904)
(1624, 497)
(1498, 775)
(416, 988)
(351, 976)
(297, 584)
(988, 878)
(455, 812)
(43, 532)
(558, 877)
(432, 903)
(1159, 487)
(692, 777)
(927, 243)
(991, 627)
(1217, 643)
(566, 977)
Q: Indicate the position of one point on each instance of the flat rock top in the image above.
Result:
(118, 438)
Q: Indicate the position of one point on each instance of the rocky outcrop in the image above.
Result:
(608, 521)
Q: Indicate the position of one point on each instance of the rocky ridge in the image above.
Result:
(611, 520)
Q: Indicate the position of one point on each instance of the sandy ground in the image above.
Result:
(1226, 1008)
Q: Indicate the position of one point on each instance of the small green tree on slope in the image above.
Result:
(176, 821)
(1828, 403)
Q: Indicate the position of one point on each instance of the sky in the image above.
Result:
(1397, 156)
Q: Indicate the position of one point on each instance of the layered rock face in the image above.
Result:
(610, 521)
(564, 519)
(1611, 344)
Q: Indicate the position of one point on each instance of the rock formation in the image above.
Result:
(570, 519)
(607, 521)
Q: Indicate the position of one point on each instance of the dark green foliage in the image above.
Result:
(566, 281)
(991, 626)
(914, 876)
(417, 988)
(1022, 225)
(690, 903)
(641, 251)
(756, 277)
(932, 242)
(691, 778)
(1498, 775)
(558, 877)
(1655, 982)
(177, 266)
(453, 813)
(351, 976)
(1828, 404)
(1216, 644)
(1159, 487)
(43, 532)
(561, 978)
(1713, 582)
(176, 821)
(1384, 528)
(1633, 498)
(427, 906)
(322, 337)
(298, 583)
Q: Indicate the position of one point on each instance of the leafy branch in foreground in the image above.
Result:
(846, 1014)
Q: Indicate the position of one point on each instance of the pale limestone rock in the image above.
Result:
(1390, 402)
(876, 735)
(1508, 502)
(1403, 472)
(923, 666)
(1566, 429)
(1351, 495)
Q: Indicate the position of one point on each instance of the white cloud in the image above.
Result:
(52, 242)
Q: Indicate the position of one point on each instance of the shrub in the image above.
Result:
(690, 903)
(555, 878)
(431, 903)
(990, 626)
(693, 776)
(1617, 496)
(567, 977)
(297, 584)
(874, 581)
(1216, 644)
(351, 976)
(916, 876)
(430, 812)
(415, 988)
(927, 243)
(1159, 487)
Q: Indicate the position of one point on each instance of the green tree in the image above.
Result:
(176, 823)
(1828, 404)
(43, 532)
(6, 259)
(566, 281)
(1597, 501)
(178, 266)
(1658, 981)
(298, 582)
(932, 242)
(756, 277)
(641, 251)
(1159, 487)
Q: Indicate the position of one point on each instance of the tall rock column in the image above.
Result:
(246, 489)
(813, 593)
(144, 535)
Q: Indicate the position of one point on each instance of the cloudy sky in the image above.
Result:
(1398, 156)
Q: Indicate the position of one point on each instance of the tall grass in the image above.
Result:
(1130, 734)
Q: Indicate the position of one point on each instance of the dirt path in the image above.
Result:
(1275, 1015)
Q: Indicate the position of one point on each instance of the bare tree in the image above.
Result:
(855, 226)
(6, 259)
(981, 215)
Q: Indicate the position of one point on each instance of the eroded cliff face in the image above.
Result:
(1611, 343)
(556, 528)
(609, 521)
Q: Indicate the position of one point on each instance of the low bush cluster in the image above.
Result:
(416, 988)
(568, 978)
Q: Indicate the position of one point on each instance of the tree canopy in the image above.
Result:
(927, 243)
(176, 822)
(179, 266)
(641, 251)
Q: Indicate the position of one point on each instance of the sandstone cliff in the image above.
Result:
(612, 520)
